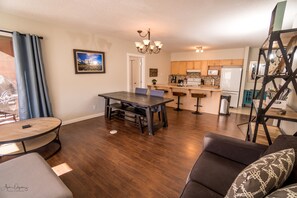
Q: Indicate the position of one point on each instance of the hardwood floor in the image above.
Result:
(130, 164)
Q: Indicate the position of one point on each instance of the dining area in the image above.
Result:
(138, 107)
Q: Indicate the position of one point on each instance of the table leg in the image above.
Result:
(107, 107)
(164, 116)
(149, 121)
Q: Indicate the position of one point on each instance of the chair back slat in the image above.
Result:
(158, 93)
(140, 90)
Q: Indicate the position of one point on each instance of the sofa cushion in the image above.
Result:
(215, 172)
(30, 176)
(287, 191)
(233, 149)
(285, 142)
(264, 175)
(194, 189)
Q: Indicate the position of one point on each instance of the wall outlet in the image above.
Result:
(94, 107)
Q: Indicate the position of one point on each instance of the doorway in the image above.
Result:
(136, 71)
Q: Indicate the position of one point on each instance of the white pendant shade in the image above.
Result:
(157, 43)
(148, 46)
(137, 44)
(146, 42)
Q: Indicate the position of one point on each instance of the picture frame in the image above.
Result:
(252, 71)
(153, 72)
(88, 62)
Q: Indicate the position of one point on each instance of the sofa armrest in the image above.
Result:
(234, 149)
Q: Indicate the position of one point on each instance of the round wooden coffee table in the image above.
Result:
(14, 139)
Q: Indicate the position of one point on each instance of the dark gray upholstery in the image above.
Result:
(194, 189)
(233, 149)
(224, 172)
(222, 160)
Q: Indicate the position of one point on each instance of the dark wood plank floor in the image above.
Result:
(130, 164)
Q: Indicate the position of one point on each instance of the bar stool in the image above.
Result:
(178, 94)
(198, 96)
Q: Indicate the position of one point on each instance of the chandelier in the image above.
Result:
(147, 46)
(199, 49)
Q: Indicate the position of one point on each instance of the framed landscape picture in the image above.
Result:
(88, 62)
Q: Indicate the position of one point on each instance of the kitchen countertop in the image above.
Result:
(188, 87)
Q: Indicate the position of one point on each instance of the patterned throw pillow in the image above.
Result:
(264, 175)
(287, 191)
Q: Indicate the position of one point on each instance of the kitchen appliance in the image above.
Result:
(230, 84)
(180, 83)
(194, 81)
(213, 72)
(173, 79)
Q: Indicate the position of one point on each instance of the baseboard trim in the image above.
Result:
(82, 118)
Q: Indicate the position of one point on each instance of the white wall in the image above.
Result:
(162, 63)
(253, 56)
(74, 96)
(237, 53)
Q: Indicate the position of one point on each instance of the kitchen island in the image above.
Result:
(210, 104)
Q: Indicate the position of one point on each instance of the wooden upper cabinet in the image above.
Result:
(197, 65)
(190, 64)
(179, 67)
(204, 68)
(214, 62)
(232, 62)
(237, 62)
(182, 70)
(174, 67)
(226, 62)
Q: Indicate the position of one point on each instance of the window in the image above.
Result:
(8, 89)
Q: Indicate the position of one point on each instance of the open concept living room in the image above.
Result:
(139, 98)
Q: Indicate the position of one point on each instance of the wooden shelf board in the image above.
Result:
(274, 132)
(276, 113)
(32, 144)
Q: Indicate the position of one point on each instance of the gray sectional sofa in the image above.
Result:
(223, 158)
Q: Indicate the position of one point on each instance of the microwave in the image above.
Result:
(213, 72)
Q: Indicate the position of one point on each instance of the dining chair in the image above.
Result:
(157, 93)
(139, 90)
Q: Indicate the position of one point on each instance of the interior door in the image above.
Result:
(136, 77)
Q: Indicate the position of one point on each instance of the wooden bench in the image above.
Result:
(129, 113)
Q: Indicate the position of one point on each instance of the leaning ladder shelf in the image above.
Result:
(286, 42)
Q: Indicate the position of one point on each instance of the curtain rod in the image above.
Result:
(20, 33)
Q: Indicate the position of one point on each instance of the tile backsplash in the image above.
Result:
(207, 79)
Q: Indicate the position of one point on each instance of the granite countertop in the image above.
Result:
(189, 87)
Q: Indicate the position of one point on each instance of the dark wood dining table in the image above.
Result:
(146, 102)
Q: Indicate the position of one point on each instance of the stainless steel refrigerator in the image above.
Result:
(230, 83)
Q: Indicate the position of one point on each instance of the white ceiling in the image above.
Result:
(180, 25)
